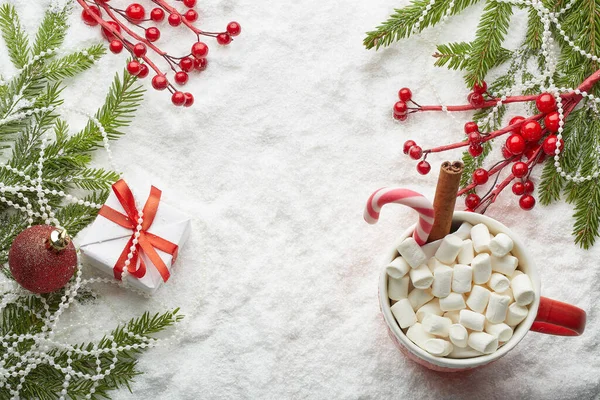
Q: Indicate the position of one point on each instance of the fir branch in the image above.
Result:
(51, 32)
(14, 36)
(587, 213)
(74, 63)
(535, 28)
(456, 55)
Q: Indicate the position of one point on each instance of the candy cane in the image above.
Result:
(407, 197)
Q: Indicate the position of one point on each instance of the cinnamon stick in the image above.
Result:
(445, 199)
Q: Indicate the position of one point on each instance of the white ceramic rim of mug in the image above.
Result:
(525, 264)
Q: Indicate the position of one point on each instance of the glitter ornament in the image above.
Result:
(42, 259)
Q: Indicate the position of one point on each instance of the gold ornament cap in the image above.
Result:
(58, 240)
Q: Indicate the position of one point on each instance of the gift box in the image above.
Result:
(156, 237)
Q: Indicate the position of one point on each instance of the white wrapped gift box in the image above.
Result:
(105, 240)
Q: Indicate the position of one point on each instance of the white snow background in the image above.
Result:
(290, 133)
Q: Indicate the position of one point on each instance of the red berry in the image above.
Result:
(108, 35)
(174, 19)
(518, 188)
(116, 46)
(200, 64)
(234, 29)
(530, 151)
(401, 117)
(475, 150)
(189, 100)
(549, 145)
(160, 82)
(407, 145)
(189, 3)
(423, 167)
(186, 64)
(474, 138)
(551, 121)
(415, 152)
(135, 12)
(480, 88)
(199, 50)
(529, 186)
(191, 16)
(87, 17)
(531, 131)
(223, 38)
(527, 202)
(405, 94)
(471, 126)
(480, 176)
(476, 99)
(472, 201)
(178, 98)
(516, 120)
(400, 108)
(139, 50)
(515, 144)
(134, 68)
(545, 102)
(152, 34)
(157, 14)
(144, 71)
(181, 77)
(519, 169)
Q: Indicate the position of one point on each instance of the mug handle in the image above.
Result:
(558, 318)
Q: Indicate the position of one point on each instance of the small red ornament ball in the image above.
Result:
(400, 108)
(531, 131)
(87, 17)
(144, 71)
(515, 144)
(476, 99)
(181, 78)
(136, 12)
(480, 88)
(152, 34)
(174, 19)
(551, 121)
(549, 145)
(190, 16)
(518, 188)
(404, 94)
(140, 49)
(505, 153)
(545, 102)
(186, 64)
(134, 68)
(527, 202)
(157, 14)
(474, 138)
(200, 64)
(472, 201)
(108, 35)
(415, 152)
(520, 169)
(516, 120)
(480, 176)
(37, 266)
(529, 186)
(471, 127)
(199, 50)
(189, 3)
(475, 150)
(189, 99)
(423, 167)
(160, 82)
(234, 29)
(407, 145)
(178, 98)
(116, 46)
(223, 39)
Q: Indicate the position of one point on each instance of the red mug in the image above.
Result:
(545, 315)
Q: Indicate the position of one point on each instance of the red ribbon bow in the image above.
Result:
(146, 242)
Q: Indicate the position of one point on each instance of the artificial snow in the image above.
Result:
(290, 134)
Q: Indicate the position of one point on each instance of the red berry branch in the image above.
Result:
(530, 140)
(128, 29)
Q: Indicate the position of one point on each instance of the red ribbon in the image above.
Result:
(147, 242)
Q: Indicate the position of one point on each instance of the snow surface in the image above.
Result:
(290, 134)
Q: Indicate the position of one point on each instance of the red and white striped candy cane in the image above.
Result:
(409, 198)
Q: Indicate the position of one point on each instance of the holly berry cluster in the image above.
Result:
(121, 28)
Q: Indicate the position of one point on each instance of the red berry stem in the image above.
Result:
(499, 167)
(172, 10)
(486, 104)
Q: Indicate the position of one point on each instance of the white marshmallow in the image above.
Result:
(404, 313)
(398, 288)
(449, 249)
(482, 268)
(502, 331)
(480, 235)
(421, 277)
(412, 253)
(516, 273)
(478, 298)
(436, 325)
(497, 308)
(417, 334)
(505, 265)
(464, 231)
(452, 315)
(418, 297)
(442, 281)
(438, 347)
(461, 278)
(499, 283)
(483, 342)
(501, 245)
(516, 314)
(522, 289)
(467, 352)
(458, 335)
(453, 302)
(508, 292)
(471, 320)
(466, 253)
(430, 248)
(433, 307)
(397, 268)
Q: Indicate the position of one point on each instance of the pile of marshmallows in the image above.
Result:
(466, 293)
